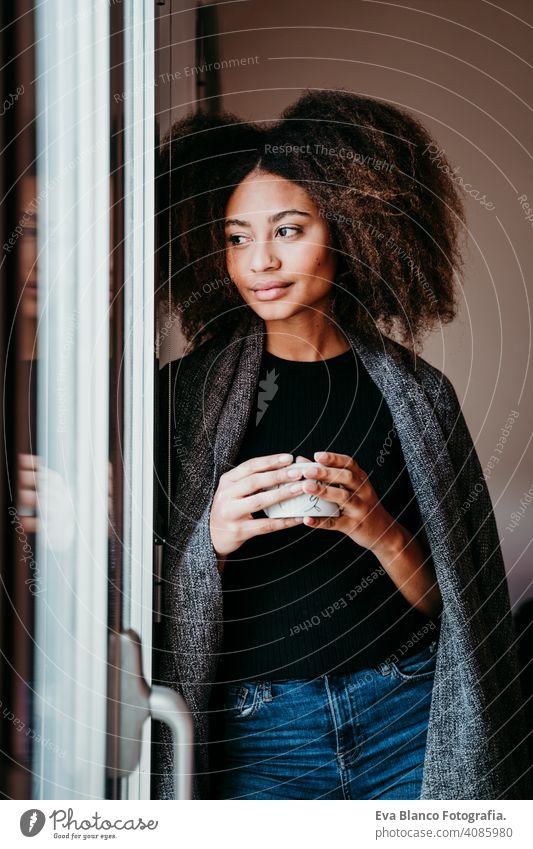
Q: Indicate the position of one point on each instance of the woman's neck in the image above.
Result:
(305, 338)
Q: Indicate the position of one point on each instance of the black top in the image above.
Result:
(303, 601)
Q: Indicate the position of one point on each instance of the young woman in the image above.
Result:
(367, 655)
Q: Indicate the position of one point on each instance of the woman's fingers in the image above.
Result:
(258, 464)
(267, 526)
(343, 476)
(340, 461)
(338, 495)
(265, 499)
(30, 524)
(330, 523)
(254, 480)
(28, 479)
(263, 480)
(28, 461)
(28, 498)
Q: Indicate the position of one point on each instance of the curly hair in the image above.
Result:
(395, 216)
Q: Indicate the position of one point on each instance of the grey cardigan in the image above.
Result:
(475, 744)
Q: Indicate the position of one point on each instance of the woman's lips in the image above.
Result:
(272, 293)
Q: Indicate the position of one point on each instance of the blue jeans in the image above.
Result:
(355, 736)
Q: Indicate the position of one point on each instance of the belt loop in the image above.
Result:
(267, 690)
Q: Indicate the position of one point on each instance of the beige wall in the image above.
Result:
(462, 68)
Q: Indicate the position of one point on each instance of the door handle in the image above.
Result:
(135, 702)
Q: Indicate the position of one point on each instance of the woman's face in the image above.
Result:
(278, 249)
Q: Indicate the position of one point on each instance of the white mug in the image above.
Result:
(304, 504)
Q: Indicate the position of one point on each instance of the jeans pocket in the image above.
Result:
(242, 700)
(416, 666)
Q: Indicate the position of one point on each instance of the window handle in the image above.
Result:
(135, 703)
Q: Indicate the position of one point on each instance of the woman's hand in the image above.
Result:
(54, 501)
(45, 503)
(366, 521)
(239, 495)
(363, 517)
(28, 466)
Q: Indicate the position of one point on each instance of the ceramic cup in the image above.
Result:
(304, 504)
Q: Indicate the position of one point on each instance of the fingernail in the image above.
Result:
(322, 454)
(284, 458)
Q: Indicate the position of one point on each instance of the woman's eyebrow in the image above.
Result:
(271, 220)
(279, 215)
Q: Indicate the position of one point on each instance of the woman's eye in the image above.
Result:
(293, 230)
(285, 232)
(232, 240)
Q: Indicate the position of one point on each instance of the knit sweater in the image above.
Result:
(475, 745)
(306, 601)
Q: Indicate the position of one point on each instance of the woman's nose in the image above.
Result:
(264, 256)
